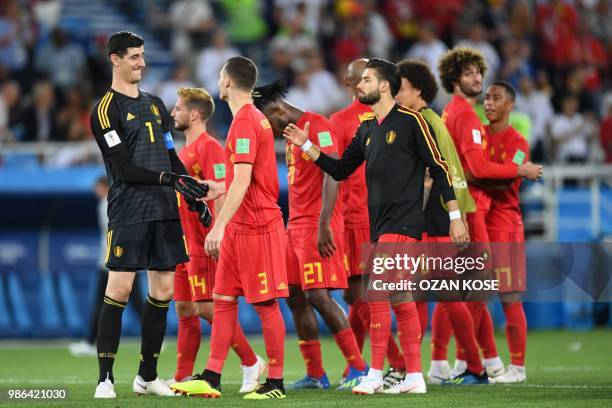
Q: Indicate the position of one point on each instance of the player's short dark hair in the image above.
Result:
(386, 71)
(119, 43)
(507, 86)
(454, 61)
(266, 94)
(242, 71)
(199, 99)
(420, 77)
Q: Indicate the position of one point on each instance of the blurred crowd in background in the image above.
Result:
(557, 53)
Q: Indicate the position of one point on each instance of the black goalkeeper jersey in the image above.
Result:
(396, 152)
(142, 125)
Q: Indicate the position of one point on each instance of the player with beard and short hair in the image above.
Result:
(461, 72)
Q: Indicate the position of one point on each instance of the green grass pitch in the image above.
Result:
(564, 369)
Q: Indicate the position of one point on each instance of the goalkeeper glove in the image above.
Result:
(186, 185)
(201, 208)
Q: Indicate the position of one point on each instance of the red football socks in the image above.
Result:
(311, 352)
(273, 328)
(380, 331)
(486, 335)
(440, 333)
(423, 316)
(409, 334)
(241, 346)
(187, 345)
(345, 339)
(357, 323)
(460, 320)
(516, 332)
(223, 326)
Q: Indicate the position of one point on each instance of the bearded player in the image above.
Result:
(356, 223)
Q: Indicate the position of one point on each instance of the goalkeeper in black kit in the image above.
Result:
(132, 129)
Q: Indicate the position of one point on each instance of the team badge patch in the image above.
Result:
(325, 139)
(519, 157)
(476, 136)
(219, 170)
(118, 251)
(112, 138)
(243, 146)
(390, 137)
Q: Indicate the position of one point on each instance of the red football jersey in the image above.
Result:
(204, 159)
(468, 134)
(305, 178)
(507, 146)
(250, 140)
(354, 191)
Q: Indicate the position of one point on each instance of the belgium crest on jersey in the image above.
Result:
(390, 137)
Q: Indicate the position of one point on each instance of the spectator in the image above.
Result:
(429, 48)
(294, 36)
(302, 93)
(381, 39)
(535, 103)
(246, 26)
(516, 63)
(46, 14)
(354, 41)
(324, 82)
(605, 134)
(192, 21)
(557, 22)
(72, 119)
(39, 119)
(211, 59)
(569, 134)
(476, 39)
(61, 61)
(521, 22)
(13, 37)
(286, 10)
(10, 112)
(281, 57)
(167, 89)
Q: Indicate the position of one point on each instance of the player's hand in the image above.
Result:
(296, 135)
(186, 185)
(215, 189)
(203, 211)
(325, 241)
(530, 171)
(212, 244)
(458, 232)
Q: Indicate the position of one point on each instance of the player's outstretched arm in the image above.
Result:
(235, 195)
(339, 169)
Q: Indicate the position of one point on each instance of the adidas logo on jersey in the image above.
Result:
(130, 116)
(282, 286)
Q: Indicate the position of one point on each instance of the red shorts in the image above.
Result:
(194, 280)
(355, 240)
(509, 262)
(253, 265)
(307, 268)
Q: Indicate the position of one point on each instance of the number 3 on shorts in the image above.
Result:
(263, 282)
